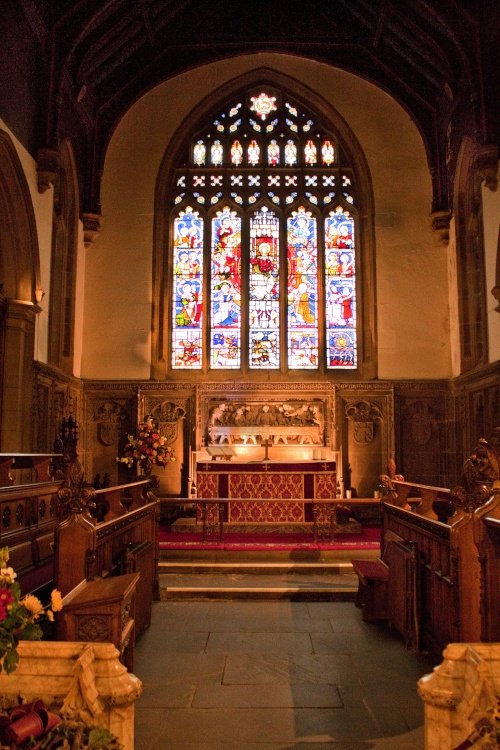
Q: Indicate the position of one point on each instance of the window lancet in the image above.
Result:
(264, 228)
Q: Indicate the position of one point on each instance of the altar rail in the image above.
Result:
(211, 512)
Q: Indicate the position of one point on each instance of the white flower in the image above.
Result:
(8, 575)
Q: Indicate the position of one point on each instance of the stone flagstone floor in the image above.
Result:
(269, 675)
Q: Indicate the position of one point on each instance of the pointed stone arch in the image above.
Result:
(19, 259)
(20, 279)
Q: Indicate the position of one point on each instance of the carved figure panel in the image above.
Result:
(251, 422)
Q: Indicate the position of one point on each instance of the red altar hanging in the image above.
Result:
(269, 481)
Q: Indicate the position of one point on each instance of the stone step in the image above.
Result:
(254, 567)
(335, 582)
(274, 556)
(292, 591)
(190, 526)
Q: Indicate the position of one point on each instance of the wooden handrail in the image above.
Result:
(40, 462)
(113, 502)
(315, 501)
(213, 517)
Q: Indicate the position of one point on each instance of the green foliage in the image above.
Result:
(19, 618)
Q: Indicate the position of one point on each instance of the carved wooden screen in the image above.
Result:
(264, 245)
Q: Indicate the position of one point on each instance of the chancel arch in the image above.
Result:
(257, 164)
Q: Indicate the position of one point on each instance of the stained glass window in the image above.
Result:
(340, 289)
(302, 251)
(225, 332)
(264, 295)
(272, 244)
(188, 290)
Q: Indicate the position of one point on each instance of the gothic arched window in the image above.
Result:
(264, 245)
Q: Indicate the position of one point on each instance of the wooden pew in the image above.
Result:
(451, 570)
(488, 544)
(106, 535)
(448, 590)
(28, 515)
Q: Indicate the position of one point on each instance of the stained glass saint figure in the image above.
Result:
(310, 153)
(199, 153)
(236, 153)
(217, 153)
(253, 153)
(327, 153)
(290, 154)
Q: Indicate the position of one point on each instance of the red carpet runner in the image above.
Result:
(368, 539)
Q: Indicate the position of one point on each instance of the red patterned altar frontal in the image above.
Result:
(268, 483)
(266, 486)
(207, 485)
(325, 485)
(266, 511)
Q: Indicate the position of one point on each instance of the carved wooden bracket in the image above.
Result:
(47, 168)
(92, 225)
(486, 163)
(440, 221)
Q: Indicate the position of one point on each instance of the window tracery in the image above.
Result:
(264, 239)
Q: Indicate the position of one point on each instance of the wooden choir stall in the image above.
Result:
(438, 580)
(106, 563)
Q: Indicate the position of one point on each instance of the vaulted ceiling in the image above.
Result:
(96, 57)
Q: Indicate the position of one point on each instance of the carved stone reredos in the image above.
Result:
(287, 422)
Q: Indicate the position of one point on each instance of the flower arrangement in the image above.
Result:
(19, 617)
(147, 446)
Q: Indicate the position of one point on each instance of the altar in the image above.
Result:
(266, 483)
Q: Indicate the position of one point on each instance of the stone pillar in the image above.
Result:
(16, 376)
